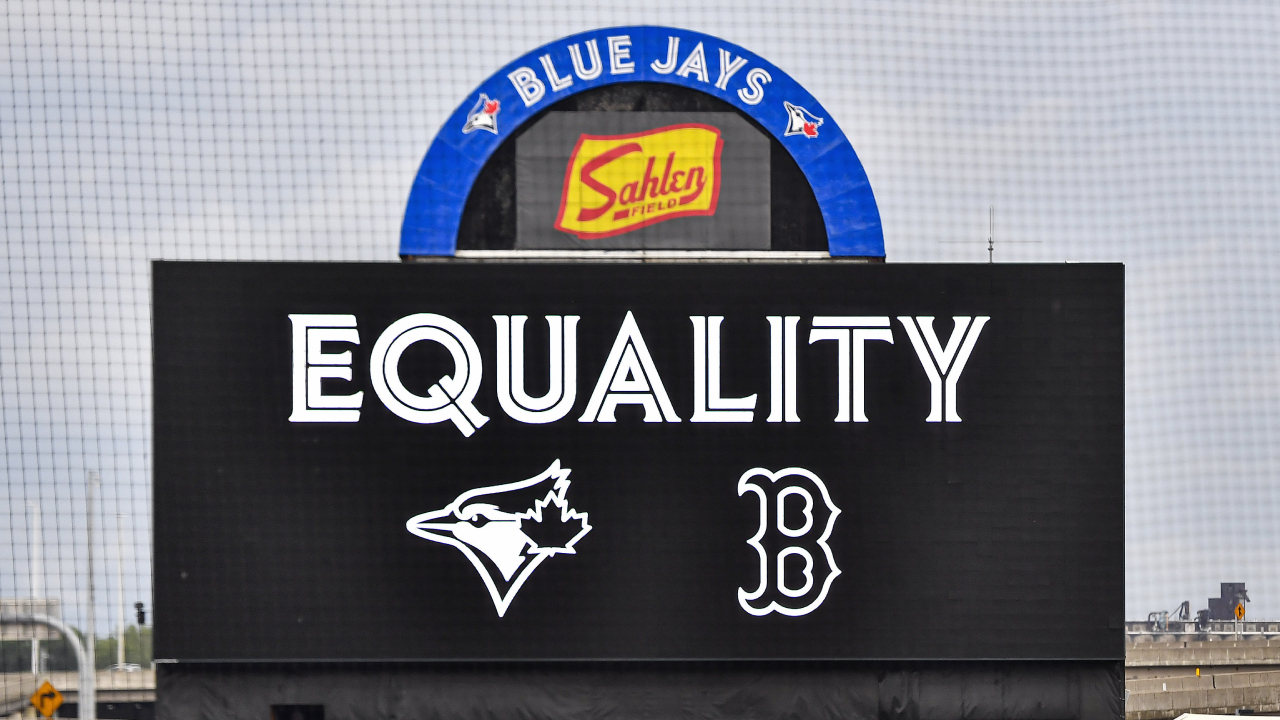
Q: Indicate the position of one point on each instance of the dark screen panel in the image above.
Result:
(998, 534)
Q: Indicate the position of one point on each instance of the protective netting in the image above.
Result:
(1098, 131)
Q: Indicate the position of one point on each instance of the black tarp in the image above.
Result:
(531, 691)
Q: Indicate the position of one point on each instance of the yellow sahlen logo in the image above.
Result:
(618, 183)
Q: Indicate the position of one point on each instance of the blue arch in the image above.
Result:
(639, 54)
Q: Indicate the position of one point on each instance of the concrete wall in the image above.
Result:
(1163, 698)
(1161, 681)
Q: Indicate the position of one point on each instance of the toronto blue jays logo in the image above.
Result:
(507, 531)
(801, 121)
(483, 115)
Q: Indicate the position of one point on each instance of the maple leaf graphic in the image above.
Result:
(553, 525)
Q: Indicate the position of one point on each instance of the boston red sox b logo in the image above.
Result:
(796, 564)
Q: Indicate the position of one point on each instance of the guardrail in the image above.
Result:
(84, 658)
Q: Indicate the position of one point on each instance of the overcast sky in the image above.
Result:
(1142, 132)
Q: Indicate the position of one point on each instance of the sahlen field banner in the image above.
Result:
(642, 180)
(465, 461)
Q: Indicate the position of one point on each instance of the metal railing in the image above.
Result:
(84, 658)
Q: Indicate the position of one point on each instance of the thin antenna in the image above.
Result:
(991, 238)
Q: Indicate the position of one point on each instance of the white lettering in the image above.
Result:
(557, 83)
(669, 66)
(620, 55)
(311, 365)
(708, 406)
(527, 85)
(629, 377)
(695, 64)
(451, 397)
(728, 66)
(782, 368)
(753, 93)
(562, 388)
(848, 331)
(943, 365)
(593, 51)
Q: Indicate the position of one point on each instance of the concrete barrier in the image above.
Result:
(1221, 693)
(17, 688)
(1202, 654)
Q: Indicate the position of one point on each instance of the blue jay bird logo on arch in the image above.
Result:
(507, 531)
(801, 121)
(483, 115)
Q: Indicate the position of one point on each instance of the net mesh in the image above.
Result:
(1098, 131)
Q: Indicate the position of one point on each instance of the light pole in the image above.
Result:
(37, 577)
(120, 588)
(94, 481)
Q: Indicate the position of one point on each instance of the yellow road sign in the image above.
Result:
(1240, 611)
(47, 699)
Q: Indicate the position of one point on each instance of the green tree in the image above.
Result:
(137, 648)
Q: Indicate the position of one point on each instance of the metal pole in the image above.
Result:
(87, 697)
(120, 589)
(90, 660)
(37, 575)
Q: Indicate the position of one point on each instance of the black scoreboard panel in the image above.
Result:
(462, 461)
